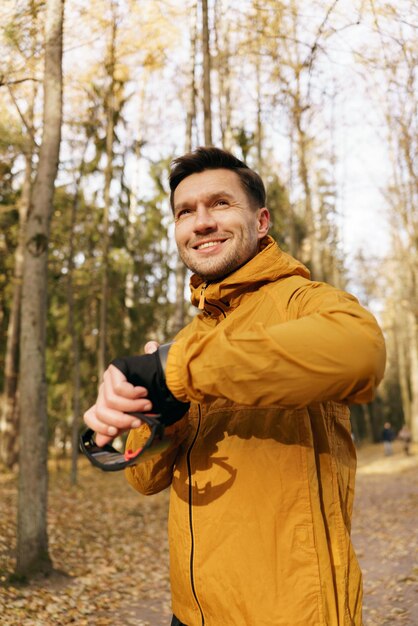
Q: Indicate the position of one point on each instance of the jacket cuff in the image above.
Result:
(163, 354)
(172, 369)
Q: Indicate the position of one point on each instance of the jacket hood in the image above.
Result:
(270, 264)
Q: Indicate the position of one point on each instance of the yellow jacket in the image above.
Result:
(262, 467)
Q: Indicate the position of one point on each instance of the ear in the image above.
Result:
(263, 222)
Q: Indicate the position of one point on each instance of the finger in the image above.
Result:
(151, 346)
(111, 419)
(123, 407)
(108, 417)
(103, 440)
(92, 420)
(120, 386)
(105, 433)
(112, 399)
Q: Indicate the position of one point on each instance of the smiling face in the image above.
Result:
(216, 228)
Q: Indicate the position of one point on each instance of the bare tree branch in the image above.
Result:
(310, 59)
(6, 83)
(28, 126)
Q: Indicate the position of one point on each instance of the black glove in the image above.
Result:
(147, 371)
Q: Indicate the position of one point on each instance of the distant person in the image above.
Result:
(405, 436)
(388, 435)
(255, 393)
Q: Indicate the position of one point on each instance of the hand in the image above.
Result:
(116, 398)
(148, 370)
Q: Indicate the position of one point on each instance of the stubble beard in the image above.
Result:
(217, 268)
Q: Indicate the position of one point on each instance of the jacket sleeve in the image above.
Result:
(156, 474)
(327, 348)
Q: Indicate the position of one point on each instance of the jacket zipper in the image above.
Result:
(202, 296)
(202, 301)
(189, 471)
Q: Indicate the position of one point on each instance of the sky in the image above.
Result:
(363, 156)
(364, 170)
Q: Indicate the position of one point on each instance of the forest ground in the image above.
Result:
(109, 548)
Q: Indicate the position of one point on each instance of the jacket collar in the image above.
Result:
(269, 265)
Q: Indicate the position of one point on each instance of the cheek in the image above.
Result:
(180, 234)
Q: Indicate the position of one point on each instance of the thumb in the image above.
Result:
(151, 346)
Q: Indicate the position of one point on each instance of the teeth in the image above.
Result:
(209, 244)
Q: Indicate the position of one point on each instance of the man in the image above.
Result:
(255, 391)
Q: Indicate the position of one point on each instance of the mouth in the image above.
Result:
(208, 244)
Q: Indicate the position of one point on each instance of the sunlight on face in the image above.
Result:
(216, 228)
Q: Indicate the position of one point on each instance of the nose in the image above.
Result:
(204, 220)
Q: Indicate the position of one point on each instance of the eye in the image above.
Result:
(183, 213)
(221, 202)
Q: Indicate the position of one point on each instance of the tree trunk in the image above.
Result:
(207, 97)
(413, 352)
(314, 250)
(110, 129)
(32, 538)
(401, 346)
(191, 104)
(134, 226)
(293, 239)
(224, 76)
(10, 414)
(72, 328)
(259, 123)
(9, 421)
(368, 423)
(129, 299)
(180, 270)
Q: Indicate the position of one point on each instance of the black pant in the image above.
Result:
(176, 622)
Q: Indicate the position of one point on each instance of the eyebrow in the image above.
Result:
(208, 198)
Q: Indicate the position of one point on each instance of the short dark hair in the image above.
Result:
(212, 158)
